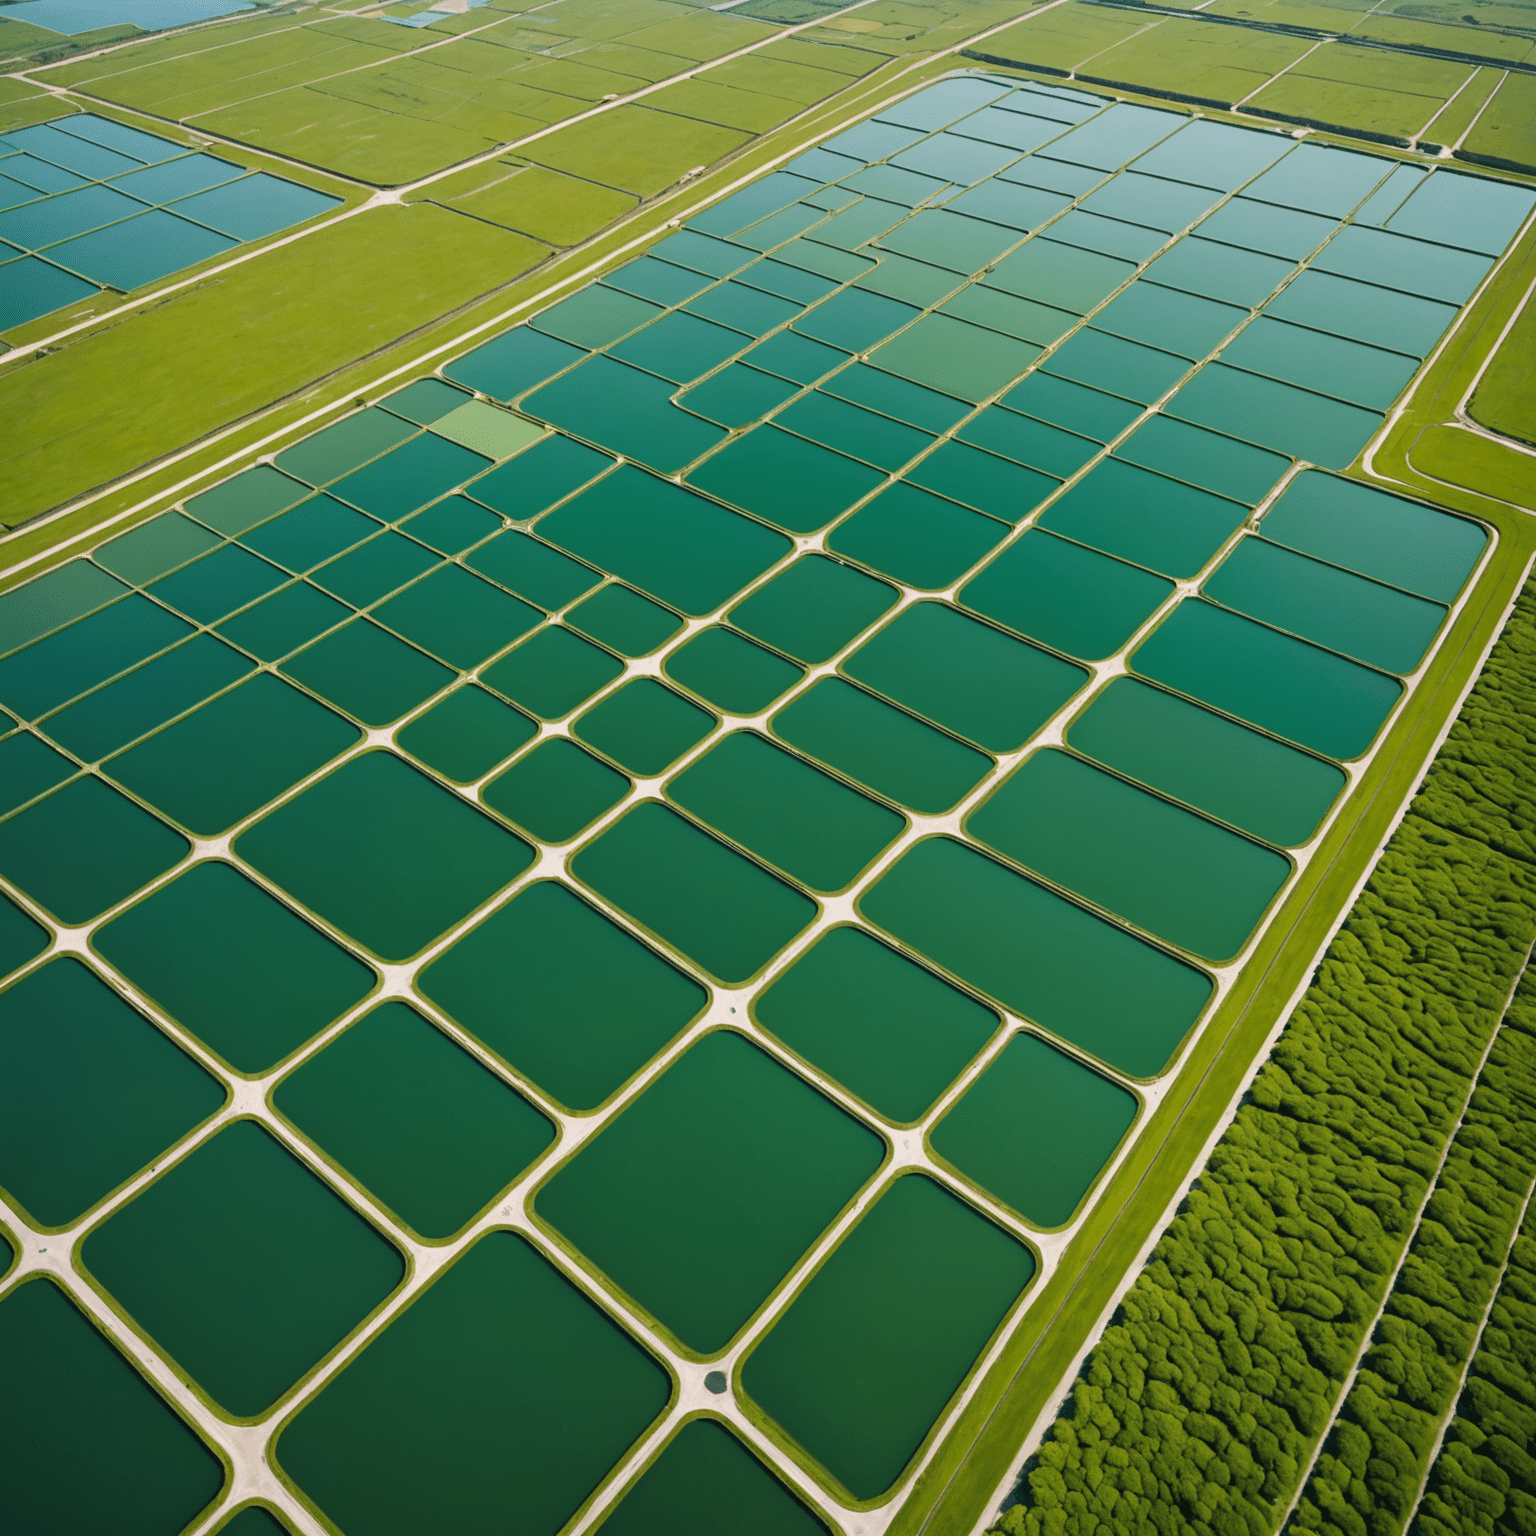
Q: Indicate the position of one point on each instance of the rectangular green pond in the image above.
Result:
(700, 1197)
(1035, 952)
(1036, 1129)
(1176, 875)
(1208, 761)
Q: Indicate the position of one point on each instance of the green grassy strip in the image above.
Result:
(1483, 1483)
(1369, 1475)
(1201, 1402)
(1506, 396)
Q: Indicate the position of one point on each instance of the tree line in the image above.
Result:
(1368, 1479)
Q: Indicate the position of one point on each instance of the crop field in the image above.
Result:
(581, 943)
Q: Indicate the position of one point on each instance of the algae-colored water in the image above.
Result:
(556, 790)
(1173, 873)
(1363, 619)
(1285, 685)
(414, 1119)
(562, 994)
(467, 734)
(243, 1266)
(1042, 956)
(90, 1092)
(719, 908)
(805, 822)
(1036, 1128)
(730, 672)
(91, 1446)
(384, 853)
(1212, 763)
(813, 608)
(227, 759)
(233, 965)
(124, 710)
(1388, 538)
(461, 1412)
(881, 746)
(84, 848)
(870, 1352)
(644, 726)
(702, 1195)
(704, 1471)
(1065, 595)
(964, 675)
(878, 1023)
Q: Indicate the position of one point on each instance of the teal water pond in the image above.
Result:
(562, 995)
(875, 1021)
(1175, 874)
(1035, 1129)
(1039, 954)
(472, 1391)
(870, 1352)
(720, 909)
(1281, 684)
(704, 1193)
(1253, 781)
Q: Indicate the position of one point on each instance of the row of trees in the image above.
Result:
(1200, 1405)
(1484, 1481)
(1368, 1479)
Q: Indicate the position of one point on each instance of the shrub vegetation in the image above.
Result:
(1484, 1480)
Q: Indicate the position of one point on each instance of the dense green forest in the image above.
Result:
(1484, 1480)
(1368, 1478)
(1200, 1406)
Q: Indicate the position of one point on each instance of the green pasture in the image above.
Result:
(1506, 395)
(725, 107)
(1397, 117)
(1215, 63)
(1450, 124)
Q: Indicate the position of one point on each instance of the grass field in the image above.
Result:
(1199, 61)
(1506, 397)
(1506, 132)
(1391, 96)
(1449, 126)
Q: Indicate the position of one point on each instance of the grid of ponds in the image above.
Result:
(650, 900)
(87, 203)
